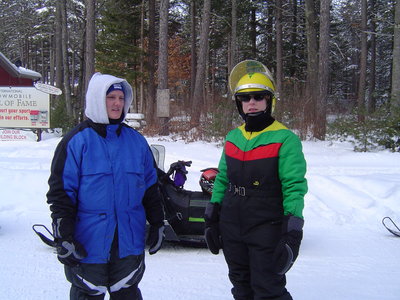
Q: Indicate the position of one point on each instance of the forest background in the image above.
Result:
(336, 63)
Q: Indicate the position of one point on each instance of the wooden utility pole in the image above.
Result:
(201, 66)
(162, 90)
(89, 46)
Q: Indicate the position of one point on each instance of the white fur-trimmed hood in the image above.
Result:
(96, 97)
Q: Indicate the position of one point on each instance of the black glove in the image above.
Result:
(70, 252)
(155, 238)
(211, 233)
(288, 247)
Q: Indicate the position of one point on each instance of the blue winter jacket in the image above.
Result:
(103, 178)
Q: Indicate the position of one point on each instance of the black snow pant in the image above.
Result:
(249, 256)
(120, 277)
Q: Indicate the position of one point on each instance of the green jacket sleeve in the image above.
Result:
(292, 170)
(221, 181)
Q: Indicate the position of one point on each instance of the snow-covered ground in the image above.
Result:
(346, 253)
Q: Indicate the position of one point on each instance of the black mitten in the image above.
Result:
(288, 247)
(211, 233)
(70, 252)
(155, 216)
(155, 238)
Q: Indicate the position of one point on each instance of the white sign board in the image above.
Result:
(24, 107)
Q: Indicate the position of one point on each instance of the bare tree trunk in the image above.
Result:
(363, 63)
(64, 43)
(253, 33)
(279, 47)
(34, 57)
(270, 50)
(44, 73)
(201, 65)
(163, 46)
(140, 103)
(312, 66)
(81, 92)
(231, 64)
(293, 38)
(162, 91)
(151, 92)
(193, 47)
(52, 60)
(72, 68)
(58, 47)
(372, 76)
(234, 47)
(208, 90)
(395, 93)
(323, 72)
(90, 44)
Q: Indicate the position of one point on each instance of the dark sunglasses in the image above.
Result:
(248, 97)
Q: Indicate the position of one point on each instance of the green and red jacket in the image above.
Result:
(261, 175)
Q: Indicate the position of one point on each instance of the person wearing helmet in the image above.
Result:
(255, 213)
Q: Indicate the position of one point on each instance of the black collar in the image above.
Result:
(101, 129)
(258, 122)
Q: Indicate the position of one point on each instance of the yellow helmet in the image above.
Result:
(251, 76)
(254, 82)
(237, 77)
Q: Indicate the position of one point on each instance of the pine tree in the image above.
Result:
(117, 49)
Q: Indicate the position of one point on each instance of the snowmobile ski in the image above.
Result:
(48, 241)
(392, 227)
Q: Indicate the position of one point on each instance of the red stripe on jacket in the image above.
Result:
(265, 151)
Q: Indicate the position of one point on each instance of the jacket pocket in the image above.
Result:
(137, 188)
(137, 222)
(91, 232)
(96, 188)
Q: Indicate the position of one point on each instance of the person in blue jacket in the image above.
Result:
(102, 188)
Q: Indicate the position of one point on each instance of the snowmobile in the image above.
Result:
(184, 209)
